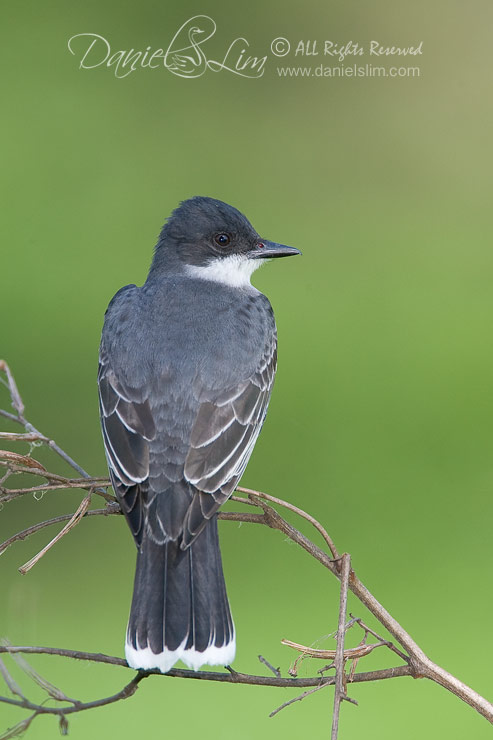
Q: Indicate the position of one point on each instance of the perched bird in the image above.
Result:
(187, 364)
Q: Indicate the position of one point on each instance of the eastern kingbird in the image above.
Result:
(186, 369)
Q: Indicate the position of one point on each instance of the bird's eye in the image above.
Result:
(222, 239)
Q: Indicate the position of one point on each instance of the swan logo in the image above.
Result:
(185, 56)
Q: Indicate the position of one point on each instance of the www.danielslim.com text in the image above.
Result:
(352, 70)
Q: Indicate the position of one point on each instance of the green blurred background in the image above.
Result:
(380, 422)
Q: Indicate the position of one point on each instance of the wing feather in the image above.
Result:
(215, 468)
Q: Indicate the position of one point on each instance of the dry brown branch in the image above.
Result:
(14, 457)
(231, 677)
(349, 654)
(57, 482)
(416, 663)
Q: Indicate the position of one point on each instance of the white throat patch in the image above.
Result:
(234, 270)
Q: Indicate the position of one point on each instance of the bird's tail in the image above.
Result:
(180, 609)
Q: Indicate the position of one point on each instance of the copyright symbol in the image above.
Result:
(280, 47)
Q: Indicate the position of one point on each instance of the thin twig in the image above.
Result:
(8, 415)
(18, 405)
(15, 396)
(128, 690)
(111, 508)
(15, 458)
(296, 510)
(300, 697)
(50, 689)
(74, 520)
(19, 729)
(349, 654)
(61, 481)
(23, 437)
(340, 689)
(275, 671)
(390, 645)
(43, 473)
(86, 486)
(11, 683)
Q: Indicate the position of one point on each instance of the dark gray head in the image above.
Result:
(208, 238)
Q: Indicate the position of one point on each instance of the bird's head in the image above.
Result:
(208, 238)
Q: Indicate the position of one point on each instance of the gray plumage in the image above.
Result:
(187, 364)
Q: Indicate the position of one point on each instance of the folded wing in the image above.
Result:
(208, 462)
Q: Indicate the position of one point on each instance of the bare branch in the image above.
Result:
(420, 665)
(231, 677)
(417, 664)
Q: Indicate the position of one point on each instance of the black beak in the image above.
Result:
(265, 250)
